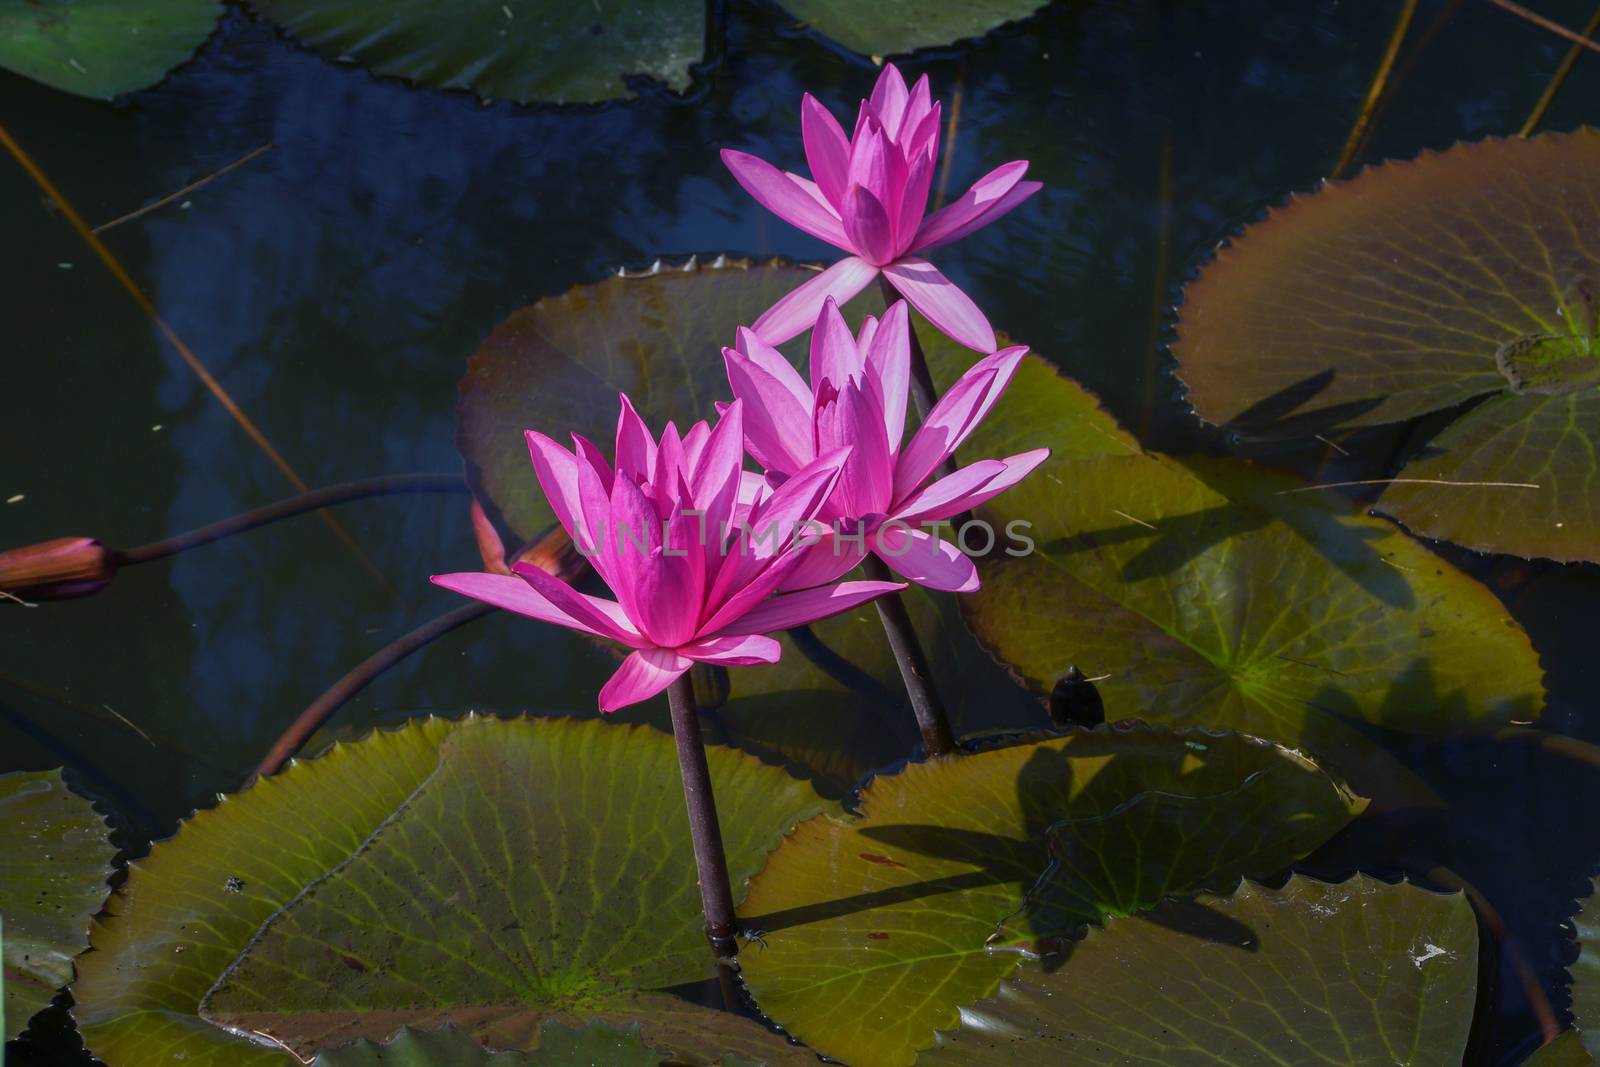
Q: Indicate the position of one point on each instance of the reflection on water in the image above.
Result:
(337, 284)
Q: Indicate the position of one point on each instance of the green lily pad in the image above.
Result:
(1416, 287)
(1213, 594)
(1565, 1051)
(595, 1045)
(874, 931)
(54, 861)
(522, 50)
(894, 27)
(482, 872)
(1359, 972)
(101, 48)
(1586, 973)
(829, 705)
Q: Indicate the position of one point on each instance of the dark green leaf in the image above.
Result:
(522, 50)
(877, 929)
(54, 861)
(101, 48)
(1355, 973)
(486, 873)
(892, 27)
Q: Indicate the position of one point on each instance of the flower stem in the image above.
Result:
(711, 864)
(925, 704)
(923, 394)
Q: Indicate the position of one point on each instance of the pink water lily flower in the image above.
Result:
(868, 198)
(661, 531)
(857, 396)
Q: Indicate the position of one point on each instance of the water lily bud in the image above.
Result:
(1076, 702)
(711, 685)
(50, 570)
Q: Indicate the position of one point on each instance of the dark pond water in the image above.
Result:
(337, 284)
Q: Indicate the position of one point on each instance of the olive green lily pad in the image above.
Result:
(55, 858)
(1586, 972)
(485, 873)
(874, 931)
(893, 27)
(595, 1045)
(1565, 1051)
(1360, 972)
(522, 50)
(1215, 594)
(101, 48)
(830, 705)
(1460, 277)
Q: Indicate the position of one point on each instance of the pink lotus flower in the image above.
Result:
(655, 531)
(868, 199)
(857, 397)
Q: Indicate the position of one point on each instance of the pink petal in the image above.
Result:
(777, 427)
(923, 139)
(512, 594)
(749, 572)
(694, 443)
(642, 675)
(889, 98)
(888, 364)
(925, 559)
(869, 168)
(669, 467)
(827, 149)
(670, 583)
(866, 481)
(866, 220)
(834, 358)
(636, 445)
(798, 310)
(825, 563)
(603, 617)
(808, 605)
(947, 496)
(715, 486)
(990, 197)
(594, 490)
(954, 417)
(749, 650)
(784, 196)
(941, 303)
(776, 364)
(913, 202)
(917, 109)
(633, 532)
(557, 471)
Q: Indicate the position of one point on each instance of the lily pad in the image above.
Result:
(1358, 972)
(484, 873)
(522, 50)
(1586, 973)
(1462, 277)
(830, 704)
(874, 931)
(1565, 1051)
(54, 861)
(1214, 594)
(101, 48)
(559, 1046)
(893, 27)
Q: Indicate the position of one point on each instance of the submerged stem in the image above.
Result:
(711, 864)
(913, 663)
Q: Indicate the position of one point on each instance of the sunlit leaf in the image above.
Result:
(874, 931)
(1467, 275)
(485, 873)
(522, 50)
(1360, 972)
(1212, 594)
(54, 861)
(893, 27)
(101, 48)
